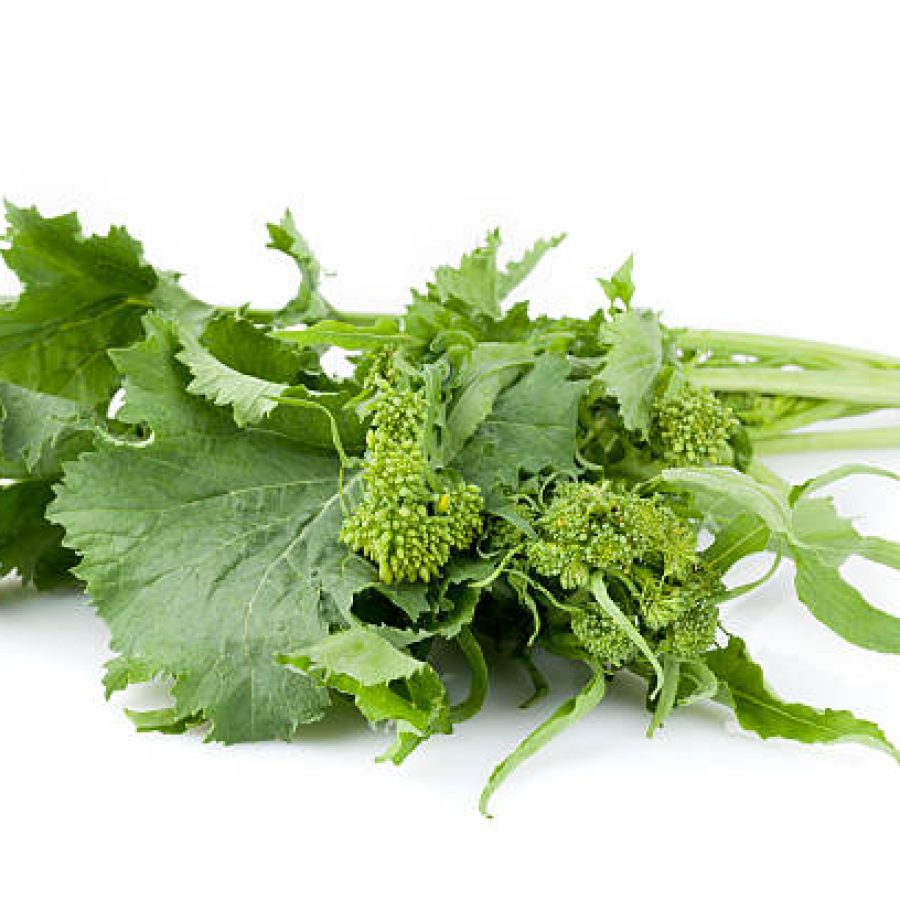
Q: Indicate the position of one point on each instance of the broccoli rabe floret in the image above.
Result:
(403, 523)
(602, 638)
(693, 632)
(589, 527)
(691, 426)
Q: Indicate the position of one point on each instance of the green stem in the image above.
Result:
(824, 411)
(863, 387)
(363, 318)
(539, 686)
(823, 441)
(266, 316)
(807, 353)
(567, 714)
(471, 649)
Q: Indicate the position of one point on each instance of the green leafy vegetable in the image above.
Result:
(261, 535)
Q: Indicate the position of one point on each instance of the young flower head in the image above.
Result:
(693, 427)
(403, 524)
(589, 527)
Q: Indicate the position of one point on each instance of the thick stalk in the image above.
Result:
(865, 387)
(823, 441)
(807, 353)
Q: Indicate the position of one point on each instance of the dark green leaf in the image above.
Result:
(81, 296)
(531, 427)
(39, 431)
(29, 544)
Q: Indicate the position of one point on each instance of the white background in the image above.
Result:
(747, 152)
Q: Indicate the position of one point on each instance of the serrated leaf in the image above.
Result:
(531, 427)
(204, 549)
(386, 684)
(471, 286)
(39, 431)
(759, 710)
(477, 285)
(519, 269)
(251, 399)
(632, 365)
(80, 297)
(308, 305)
(621, 285)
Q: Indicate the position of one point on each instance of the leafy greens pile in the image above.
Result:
(263, 535)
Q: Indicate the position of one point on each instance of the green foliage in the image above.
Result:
(29, 544)
(477, 286)
(80, 297)
(261, 536)
(204, 572)
(621, 285)
(385, 683)
(530, 429)
(308, 305)
(759, 710)
(632, 365)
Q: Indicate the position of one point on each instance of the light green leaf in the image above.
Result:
(518, 270)
(204, 550)
(632, 365)
(838, 474)
(724, 493)
(386, 684)
(472, 287)
(759, 710)
(621, 285)
(841, 607)
(738, 536)
(166, 721)
(816, 526)
(81, 296)
(308, 305)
